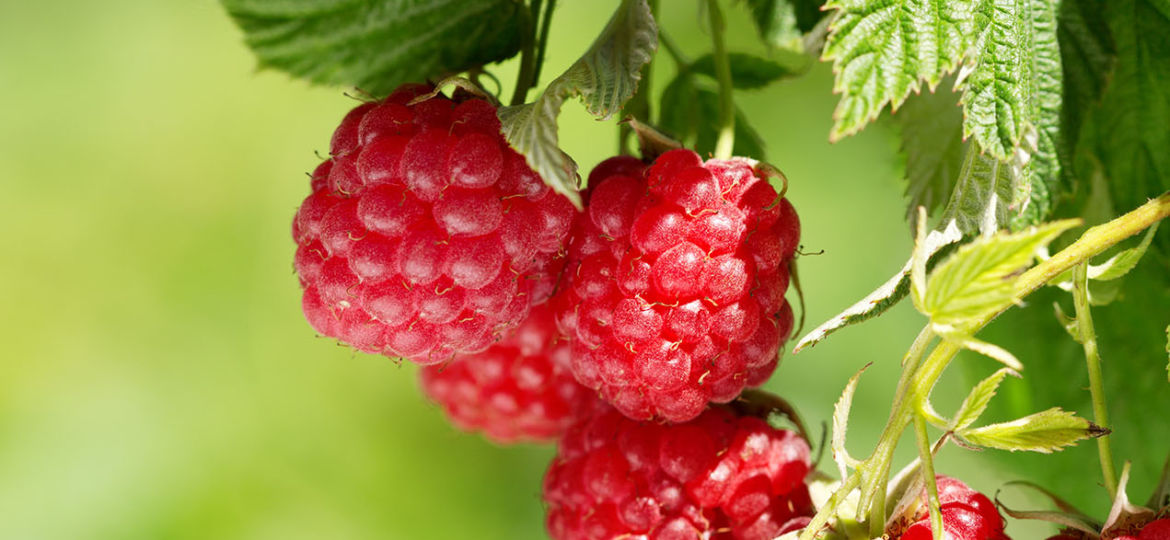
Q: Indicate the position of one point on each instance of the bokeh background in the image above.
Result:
(157, 379)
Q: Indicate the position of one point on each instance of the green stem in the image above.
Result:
(542, 40)
(673, 50)
(525, 79)
(825, 512)
(927, 457)
(1093, 359)
(726, 141)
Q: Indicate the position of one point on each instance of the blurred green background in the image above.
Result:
(157, 379)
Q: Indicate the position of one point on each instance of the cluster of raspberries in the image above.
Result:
(427, 237)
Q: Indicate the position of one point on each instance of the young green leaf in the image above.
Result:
(979, 279)
(841, 423)
(976, 402)
(605, 77)
(1103, 289)
(1043, 432)
(378, 45)
(747, 71)
(990, 350)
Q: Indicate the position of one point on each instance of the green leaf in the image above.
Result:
(841, 423)
(931, 127)
(1010, 78)
(378, 45)
(1168, 352)
(690, 113)
(981, 201)
(881, 51)
(1120, 264)
(604, 78)
(680, 113)
(977, 400)
(1043, 432)
(747, 71)
(1130, 136)
(781, 22)
(980, 278)
(990, 350)
(1115, 267)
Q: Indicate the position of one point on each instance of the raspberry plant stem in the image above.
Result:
(542, 39)
(726, 141)
(525, 79)
(927, 457)
(1088, 338)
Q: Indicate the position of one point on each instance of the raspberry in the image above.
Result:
(614, 477)
(425, 234)
(967, 515)
(518, 390)
(674, 293)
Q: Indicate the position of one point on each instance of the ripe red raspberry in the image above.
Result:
(426, 235)
(674, 292)
(967, 515)
(720, 473)
(519, 390)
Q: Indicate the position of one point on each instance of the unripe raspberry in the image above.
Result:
(674, 293)
(720, 473)
(967, 515)
(426, 235)
(518, 390)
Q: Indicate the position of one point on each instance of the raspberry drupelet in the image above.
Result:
(719, 476)
(518, 390)
(426, 235)
(674, 289)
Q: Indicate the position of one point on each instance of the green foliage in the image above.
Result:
(979, 279)
(378, 45)
(690, 113)
(931, 126)
(841, 424)
(604, 78)
(781, 22)
(1044, 432)
(1128, 129)
(747, 71)
(977, 400)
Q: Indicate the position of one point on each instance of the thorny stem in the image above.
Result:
(525, 79)
(922, 377)
(927, 457)
(726, 141)
(1088, 338)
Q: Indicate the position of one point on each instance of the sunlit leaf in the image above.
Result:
(1043, 432)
